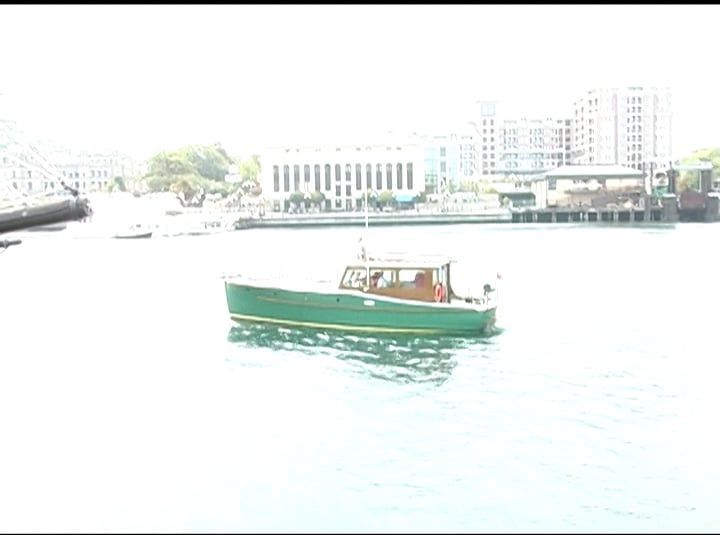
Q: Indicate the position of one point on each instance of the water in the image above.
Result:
(130, 402)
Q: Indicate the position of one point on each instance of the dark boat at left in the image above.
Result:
(44, 213)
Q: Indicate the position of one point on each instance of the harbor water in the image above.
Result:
(130, 401)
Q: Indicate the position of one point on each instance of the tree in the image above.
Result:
(317, 198)
(120, 183)
(249, 170)
(691, 179)
(386, 197)
(189, 170)
(297, 198)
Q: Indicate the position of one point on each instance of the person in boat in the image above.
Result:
(379, 281)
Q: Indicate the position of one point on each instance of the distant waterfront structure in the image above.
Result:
(520, 145)
(629, 126)
(442, 161)
(92, 171)
(343, 172)
(33, 167)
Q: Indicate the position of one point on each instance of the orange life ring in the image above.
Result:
(439, 292)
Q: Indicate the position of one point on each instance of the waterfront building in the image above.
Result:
(629, 126)
(33, 167)
(520, 146)
(92, 171)
(343, 172)
(442, 161)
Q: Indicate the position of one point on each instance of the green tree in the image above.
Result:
(190, 169)
(691, 179)
(249, 170)
(297, 198)
(317, 198)
(386, 197)
(120, 183)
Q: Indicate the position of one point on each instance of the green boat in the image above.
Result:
(390, 295)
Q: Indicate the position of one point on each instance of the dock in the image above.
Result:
(355, 219)
(689, 206)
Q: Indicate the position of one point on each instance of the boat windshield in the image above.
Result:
(467, 280)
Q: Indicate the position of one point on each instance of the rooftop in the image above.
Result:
(594, 171)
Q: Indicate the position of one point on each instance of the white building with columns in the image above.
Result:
(342, 172)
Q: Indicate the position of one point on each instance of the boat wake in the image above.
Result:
(402, 358)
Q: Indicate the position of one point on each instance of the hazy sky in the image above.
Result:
(146, 78)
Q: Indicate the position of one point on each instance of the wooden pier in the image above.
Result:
(589, 215)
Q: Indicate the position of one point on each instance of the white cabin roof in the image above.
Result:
(399, 261)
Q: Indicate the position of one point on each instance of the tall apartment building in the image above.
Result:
(629, 126)
(520, 146)
(469, 153)
(487, 126)
(532, 146)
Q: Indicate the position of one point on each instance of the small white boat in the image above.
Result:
(135, 232)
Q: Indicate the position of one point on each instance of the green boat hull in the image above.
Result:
(353, 311)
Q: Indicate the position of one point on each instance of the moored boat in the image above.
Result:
(135, 232)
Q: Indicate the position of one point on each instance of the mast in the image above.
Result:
(365, 254)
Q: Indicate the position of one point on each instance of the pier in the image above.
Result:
(583, 215)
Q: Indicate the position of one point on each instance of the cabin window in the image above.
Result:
(354, 278)
(413, 278)
(382, 278)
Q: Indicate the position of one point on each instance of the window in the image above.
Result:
(399, 176)
(354, 278)
(378, 177)
(306, 170)
(413, 278)
(276, 178)
(409, 167)
(388, 176)
(296, 177)
(327, 177)
(348, 173)
(358, 176)
(368, 175)
(317, 177)
(286, 178)
(338, 172)
(442, 151)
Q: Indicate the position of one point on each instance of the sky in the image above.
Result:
(141, 79)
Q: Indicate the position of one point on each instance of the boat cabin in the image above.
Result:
(416, 280)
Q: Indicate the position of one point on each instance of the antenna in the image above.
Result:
(365, 254)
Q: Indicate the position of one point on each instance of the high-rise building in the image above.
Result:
(517, 146)
(533, 146)
(629, 126)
